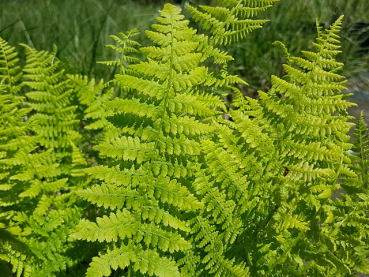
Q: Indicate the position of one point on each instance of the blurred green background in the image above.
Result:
(80, 29)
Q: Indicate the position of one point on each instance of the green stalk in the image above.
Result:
(129, 270)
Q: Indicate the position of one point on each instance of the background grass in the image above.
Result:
(80, 30)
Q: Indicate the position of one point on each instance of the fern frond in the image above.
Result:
(153, 146)
(51, 99)
(226, 24)
(231, 22)
(361, 151)
(215, 263)
(144, 261)
(126, 46)
(302, 121)
(10, 73)
(40, 174)
(86, 90)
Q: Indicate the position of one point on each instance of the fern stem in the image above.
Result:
(122, 69)
(129, 270)
(169, 86)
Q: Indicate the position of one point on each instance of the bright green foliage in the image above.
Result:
(298, 131)
(23, 170)
(349, 217)
(224, 25)
(93, 97)
(54, 125)
(50, 99)
(232, 21)
(10, 73)
(153, 155)
(39, 170)
(177, 190)
(126, 46)
(127, 53)
(143, 261)
(90, 97)
(12, 138)
(54, 122)
(361, 155)
(307, 113)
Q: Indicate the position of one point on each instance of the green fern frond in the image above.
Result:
(97, 112)
(307, 111)
(39, 178)
(50, 99)
(178, 189)
(126, 46)
(144, 261)
(154, 145)
(10, 73)
(361, 151)
(208, 239)
(86, 90)
(298, 131)
(229, 23)
(16, 172)
(226, 24)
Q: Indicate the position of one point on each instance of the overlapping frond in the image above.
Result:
(50, 98)
(360, 153)
(126, 53)
(145, 261)
(232, 21)
(226, 24)
(10, 73)
(44, 167)
(126, 46)
(177, 189)
(14, 144)
(304, 116)
(308, 107)
(154, 147)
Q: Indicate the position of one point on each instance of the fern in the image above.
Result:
(13, 138)
(232, 21)
(126, 45)
(349, 217)
(361, 154)
(153, 154)
(304, 117)
(143, 176)
(41, 179)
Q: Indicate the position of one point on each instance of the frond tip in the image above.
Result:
(231, 22)
(144, 261)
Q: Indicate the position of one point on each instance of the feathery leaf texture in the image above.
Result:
(143, 176)
(232, 21)
(37, 168)
(161, 122)
(302, 123)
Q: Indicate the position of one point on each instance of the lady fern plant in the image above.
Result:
(177, 190)
(13, 137)
(296, 137)
(162, 122)
(153, 157)
(41, 165)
